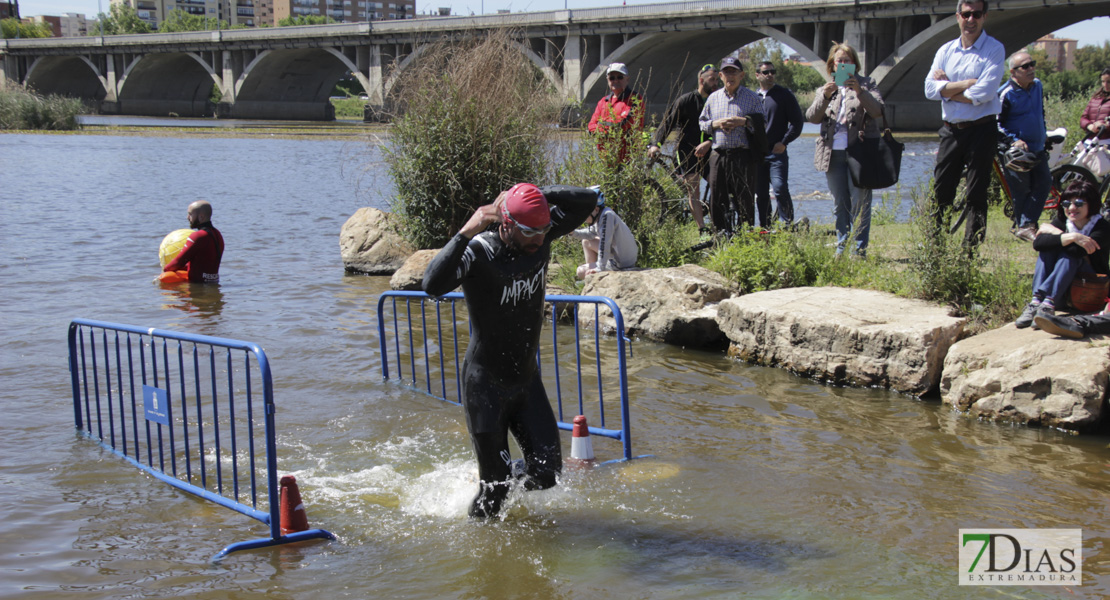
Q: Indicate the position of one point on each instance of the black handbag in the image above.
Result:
(875, 163)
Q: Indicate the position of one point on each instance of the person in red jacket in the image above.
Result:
(1096, 117)
(621, 107)
(203, 250)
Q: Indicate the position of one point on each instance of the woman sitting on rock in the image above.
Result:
(1076, 241)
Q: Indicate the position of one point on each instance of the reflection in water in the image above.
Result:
(202, 300)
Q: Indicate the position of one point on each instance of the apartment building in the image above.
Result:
(251, 13)
(345, 11)
(1060, 51)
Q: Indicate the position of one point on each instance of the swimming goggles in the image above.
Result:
(532, 231)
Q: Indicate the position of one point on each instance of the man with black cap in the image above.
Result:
(734, 116)
(503, 276)
(619, 113)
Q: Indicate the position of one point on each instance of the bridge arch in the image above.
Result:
(901, 76)
(71, 76)
(293, 83)
(178, 83)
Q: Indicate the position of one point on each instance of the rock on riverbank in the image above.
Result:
(1027, 376)
(677, 305)
(368, 244)
(843, 335)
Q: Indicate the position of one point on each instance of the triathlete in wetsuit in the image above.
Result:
(203, 250)
(503, 276)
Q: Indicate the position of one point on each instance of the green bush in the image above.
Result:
(22, 109)
(474, 120)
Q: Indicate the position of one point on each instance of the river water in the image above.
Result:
(762, 485)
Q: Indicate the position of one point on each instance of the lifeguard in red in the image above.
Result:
(203, 250)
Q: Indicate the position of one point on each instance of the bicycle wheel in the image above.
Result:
(1065, 175)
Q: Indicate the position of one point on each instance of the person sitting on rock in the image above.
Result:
(607, 241)
(1076, 241)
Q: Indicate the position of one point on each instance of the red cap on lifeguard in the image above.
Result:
(525, 204)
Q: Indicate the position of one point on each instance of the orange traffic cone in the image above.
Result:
(581, 449)
(293, 516)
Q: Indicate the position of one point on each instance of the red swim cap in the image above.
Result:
(525, 204)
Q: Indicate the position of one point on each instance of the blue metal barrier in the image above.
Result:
(141, 423)
(437, 367)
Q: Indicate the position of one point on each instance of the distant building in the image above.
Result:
(1060, 51)
(74, 25)
(6, 10)
(345, 11)
(251, 13)
(55, 23)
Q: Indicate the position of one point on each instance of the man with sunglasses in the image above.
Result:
(964, 77)
(617, 114)
(690, 149)
(784, 125)
(503, 274)
(1021, 124)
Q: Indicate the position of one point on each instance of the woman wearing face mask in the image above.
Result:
(847, 113)
(1076, 241)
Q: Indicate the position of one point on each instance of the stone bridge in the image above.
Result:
(289, 72)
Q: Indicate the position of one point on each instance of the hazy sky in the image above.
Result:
(1094, 31)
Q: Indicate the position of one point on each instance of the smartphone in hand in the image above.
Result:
(843, 72)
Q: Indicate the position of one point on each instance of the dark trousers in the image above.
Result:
(975, 148)
(732, 177)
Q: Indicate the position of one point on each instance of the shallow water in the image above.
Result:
(762, 484)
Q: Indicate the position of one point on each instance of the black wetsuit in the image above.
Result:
(502, 389)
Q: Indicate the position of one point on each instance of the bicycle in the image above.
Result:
(1088, 161)
(1065, 170)
(664, 167)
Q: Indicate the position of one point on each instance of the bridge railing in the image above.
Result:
(423, 340)
(193, 411)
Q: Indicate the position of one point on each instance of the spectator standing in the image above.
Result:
(733, 116)
(619, 113)
(690, 149)
(1021, 124)
(1096, 117)
(784, 125)
(964, 77)
(847, 114)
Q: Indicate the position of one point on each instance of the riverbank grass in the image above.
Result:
(22, 109)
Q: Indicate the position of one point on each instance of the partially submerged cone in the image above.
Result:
(581, 448)
(293, 516)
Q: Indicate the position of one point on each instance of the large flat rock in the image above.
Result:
(677, 305)
(1027, 376)
(843, 335)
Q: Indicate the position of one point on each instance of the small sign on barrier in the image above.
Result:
(155, 405)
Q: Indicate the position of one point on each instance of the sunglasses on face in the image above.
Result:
(530, 232)
(768, 72)
(972, 14)
(1028, 65)
(1078, 203)
(615, 76)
